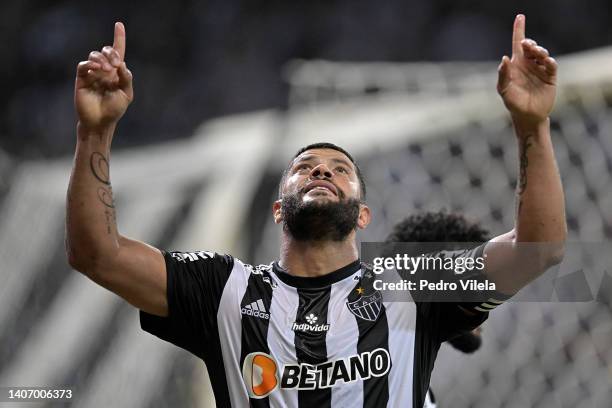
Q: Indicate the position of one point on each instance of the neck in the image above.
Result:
(316, 258)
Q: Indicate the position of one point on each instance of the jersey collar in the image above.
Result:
(317, 281)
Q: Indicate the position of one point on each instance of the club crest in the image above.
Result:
(367, 307)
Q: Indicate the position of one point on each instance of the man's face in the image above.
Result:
(320, 175)
(321, 197)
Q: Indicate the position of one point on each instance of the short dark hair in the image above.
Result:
(326, 145)
(441, 227)
(438, 226)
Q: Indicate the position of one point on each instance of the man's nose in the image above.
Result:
(321, 171)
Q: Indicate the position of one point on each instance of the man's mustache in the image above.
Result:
(302, 191)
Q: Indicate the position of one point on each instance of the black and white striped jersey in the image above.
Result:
(271, 339)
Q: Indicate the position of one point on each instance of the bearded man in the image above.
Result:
(309, 329)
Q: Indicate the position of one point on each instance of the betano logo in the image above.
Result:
(260, 372)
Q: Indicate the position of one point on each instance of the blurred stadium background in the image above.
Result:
(225, 93)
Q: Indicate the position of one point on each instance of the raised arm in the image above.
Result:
(131, 269)
(527, 85)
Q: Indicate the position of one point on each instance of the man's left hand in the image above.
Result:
(527, 82)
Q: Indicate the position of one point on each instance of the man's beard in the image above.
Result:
(466, 342)
(328, 221)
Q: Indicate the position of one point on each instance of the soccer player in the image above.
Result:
(442, 227)
(309, 329)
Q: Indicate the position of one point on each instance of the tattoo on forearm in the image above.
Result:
(109, 214)
(100, 170)
(523, 164)
(105, 195)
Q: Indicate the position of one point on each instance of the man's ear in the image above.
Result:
(365, 216)
(276, 211)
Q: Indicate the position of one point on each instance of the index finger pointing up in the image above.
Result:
(119, 40)
(518, 35)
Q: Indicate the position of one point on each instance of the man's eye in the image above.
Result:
(341, 170)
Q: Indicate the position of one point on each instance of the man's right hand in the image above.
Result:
(103, 87)
(132, 269)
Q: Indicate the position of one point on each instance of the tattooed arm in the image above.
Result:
(527, 85)
(132, 269)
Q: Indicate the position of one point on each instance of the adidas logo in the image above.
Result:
(256, 309)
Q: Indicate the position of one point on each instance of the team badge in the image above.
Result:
(367, 307)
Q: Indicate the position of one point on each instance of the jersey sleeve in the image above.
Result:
(448, 313)
(195, 283)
